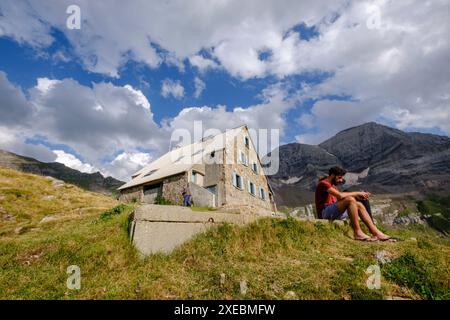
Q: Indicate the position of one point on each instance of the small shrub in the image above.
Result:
(15, 192)
(113, 211)
(162, 201)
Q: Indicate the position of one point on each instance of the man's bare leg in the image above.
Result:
(365, 217)
(350, 204)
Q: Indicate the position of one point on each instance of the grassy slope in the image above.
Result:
(315, 261)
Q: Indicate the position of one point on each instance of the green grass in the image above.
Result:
(438, 208)
(274, 256)
(417, 274)
(203, 209)
(316, 261)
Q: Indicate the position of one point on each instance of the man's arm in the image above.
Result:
(340, 195)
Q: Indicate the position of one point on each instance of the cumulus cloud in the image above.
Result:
(73, 162)
(126, 164)
(14, 108)
(15, 141)
(203, 64)
(328, 117)
(181, 28)
(95, 121)
(199, 87)
(172, 88)
(394, 53)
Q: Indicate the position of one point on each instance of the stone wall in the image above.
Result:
(236, 197)
(173, 187)
(132, 194)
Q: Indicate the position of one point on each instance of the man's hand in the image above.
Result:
(363, 195)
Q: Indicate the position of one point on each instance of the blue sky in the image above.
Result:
(306, 69)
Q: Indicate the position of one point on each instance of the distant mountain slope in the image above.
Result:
(89, 181)
(379, 158)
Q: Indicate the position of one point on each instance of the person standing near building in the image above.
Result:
(186, 196)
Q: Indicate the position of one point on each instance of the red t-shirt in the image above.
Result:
(323, 198)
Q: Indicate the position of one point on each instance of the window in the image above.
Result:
(238, 182)
(255, 167)
(150, 173)
(247, 142)
(208, 137)
(243, 158)
(179, 159)
(197, 152)
(262, 193)
(194, 177)
(251, 188)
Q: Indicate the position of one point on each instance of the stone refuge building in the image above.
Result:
(223, 171)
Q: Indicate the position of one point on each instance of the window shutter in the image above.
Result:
(242, 182)
(249, 188)
(234, 179)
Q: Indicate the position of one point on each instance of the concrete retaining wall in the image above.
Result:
(157, 228)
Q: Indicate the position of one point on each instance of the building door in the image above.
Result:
(151, 192)
(213, 190)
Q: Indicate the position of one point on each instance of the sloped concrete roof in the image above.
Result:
(182, 159)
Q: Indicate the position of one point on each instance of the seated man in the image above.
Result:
(332, 204)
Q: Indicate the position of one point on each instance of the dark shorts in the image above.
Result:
(331, 212)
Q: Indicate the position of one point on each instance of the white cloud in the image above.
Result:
(172, 88)
(203, 64)
(14, 107)
(138, 97)
(391, 61)
(20, 21)
(329, 117)
(14, 141)
(181, 28)
(126, 164)
(269, 114)
(45, 85)
(73, 162)
(199, 87)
